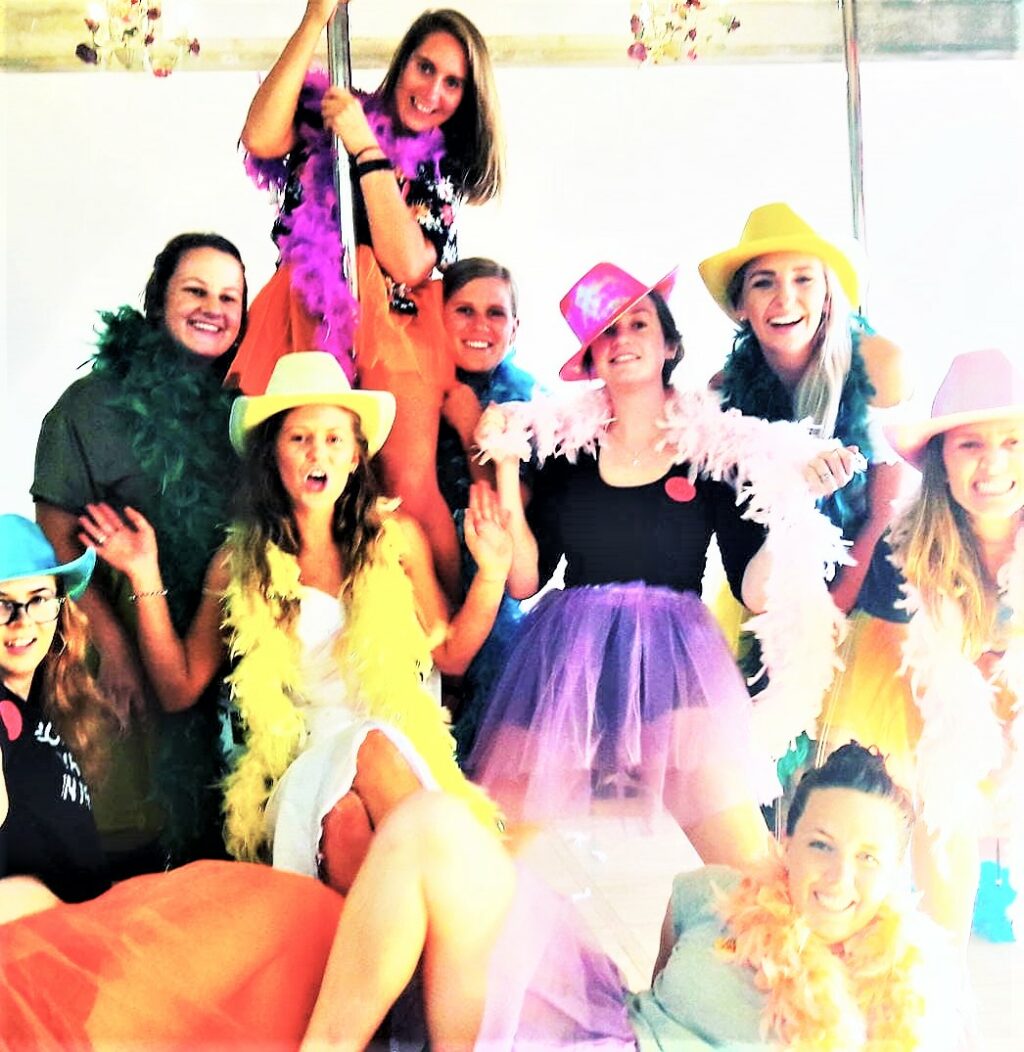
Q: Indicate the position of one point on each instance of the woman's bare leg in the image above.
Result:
(434, 885)
(383, 780)
(409, 466)
(735, 836)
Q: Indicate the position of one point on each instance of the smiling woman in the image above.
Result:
(940, 693)
(148, 427)
(817, 948)
(204, 302)
(424, 142)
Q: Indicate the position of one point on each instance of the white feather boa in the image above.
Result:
(963, 742)
(801, 626)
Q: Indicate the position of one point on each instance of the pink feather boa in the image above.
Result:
(801, 626)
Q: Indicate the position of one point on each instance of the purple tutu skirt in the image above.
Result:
(549, 986)
(625, 690)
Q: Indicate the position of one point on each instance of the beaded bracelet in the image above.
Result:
(135, 596)
(378, 164)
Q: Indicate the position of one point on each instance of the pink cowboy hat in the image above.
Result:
(601, 296)
(979, 386)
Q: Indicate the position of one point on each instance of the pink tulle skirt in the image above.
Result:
(623, 690)
(548, 985)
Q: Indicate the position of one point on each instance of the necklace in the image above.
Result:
(634, 456)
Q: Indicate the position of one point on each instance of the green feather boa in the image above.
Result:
(176, 411)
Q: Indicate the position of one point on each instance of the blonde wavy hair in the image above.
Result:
(70, 696)
(936, 549)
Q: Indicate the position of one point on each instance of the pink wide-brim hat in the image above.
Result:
(600, 297)
(979, 386)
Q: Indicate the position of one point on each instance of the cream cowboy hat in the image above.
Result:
(601, 296)
(313, 378)
(979, 386)
(776, 228)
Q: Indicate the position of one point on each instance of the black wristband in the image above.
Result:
(378, 164)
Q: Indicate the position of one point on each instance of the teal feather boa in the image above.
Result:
(750, 385)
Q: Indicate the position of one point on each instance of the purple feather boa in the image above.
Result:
(312, 246)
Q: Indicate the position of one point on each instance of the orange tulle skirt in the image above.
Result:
(213, 955)
(411, 348)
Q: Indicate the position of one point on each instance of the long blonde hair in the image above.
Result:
(936, 549)
(70, 696)
(820, 388)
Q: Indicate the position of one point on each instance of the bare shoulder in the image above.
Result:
(408, 532)
(886, 367)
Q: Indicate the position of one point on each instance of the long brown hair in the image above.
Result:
(265, 514)
(939, 555)
(473, 134)
(70, 696)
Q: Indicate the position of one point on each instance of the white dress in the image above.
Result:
(324, 770)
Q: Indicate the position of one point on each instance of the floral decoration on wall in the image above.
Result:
(672, 30)
(137, 35)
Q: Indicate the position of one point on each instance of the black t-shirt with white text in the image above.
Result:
(50, 832)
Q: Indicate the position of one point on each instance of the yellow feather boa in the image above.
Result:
(871, 995)
(381, 652)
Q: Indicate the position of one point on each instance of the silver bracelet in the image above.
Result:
(135, 596)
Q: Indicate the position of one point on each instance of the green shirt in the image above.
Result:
(699, 1000)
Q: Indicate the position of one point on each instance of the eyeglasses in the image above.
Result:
(40, 608)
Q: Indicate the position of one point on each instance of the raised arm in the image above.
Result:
(887, 479)
(490, 545)
(269, 129)
(524, 576)
(399, 243)
(120, 676)
(178, 669)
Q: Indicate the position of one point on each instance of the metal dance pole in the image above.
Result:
(851, 50)
(339, 66)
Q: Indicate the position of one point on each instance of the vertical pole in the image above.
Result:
(339, 66)
(851, 50)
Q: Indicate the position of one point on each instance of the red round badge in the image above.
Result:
(680, 489)
(10, 716)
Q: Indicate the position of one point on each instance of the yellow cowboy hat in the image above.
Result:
(313, 378)
(776, 228)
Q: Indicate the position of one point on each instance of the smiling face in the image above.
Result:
(26, 643)
(203, 305)
(843, 860)
(432, 83)
(985, 468)
(316, 453)
(783, 297)
(480, 322)
(632, 350)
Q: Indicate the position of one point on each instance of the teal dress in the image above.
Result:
(699, 1000)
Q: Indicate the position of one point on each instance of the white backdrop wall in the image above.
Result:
(648, 168)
